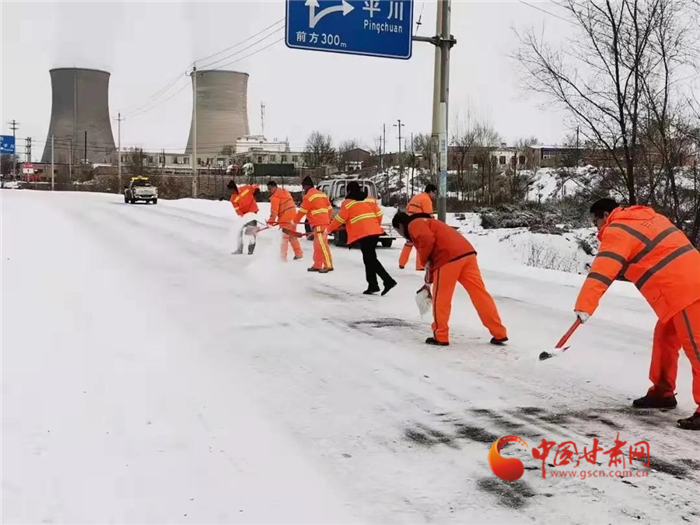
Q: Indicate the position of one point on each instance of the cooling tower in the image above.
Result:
(79, 104)
(222, 111)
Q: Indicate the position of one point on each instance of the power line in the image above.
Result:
(139, 113)
(547, 12)
(238, 43)
(209, 65)
(253, 53)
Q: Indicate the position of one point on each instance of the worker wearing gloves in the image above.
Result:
(243, 201)
(449, 258)
(282, 213)
(420, 203)
(362, 218)
(317, 207)
(645, 248)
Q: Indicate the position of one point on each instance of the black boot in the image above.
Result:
(499, 342)
(388, 286)
(690, 423)
(649, 401)
(371, 291)
(435, 342)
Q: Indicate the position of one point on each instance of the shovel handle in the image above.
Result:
(568, 333)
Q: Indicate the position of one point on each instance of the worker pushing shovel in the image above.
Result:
(645, 248)
(282, 214)
(243, 201)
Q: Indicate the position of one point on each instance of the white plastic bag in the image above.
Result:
(424, 300)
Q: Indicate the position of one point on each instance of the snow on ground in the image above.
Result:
(551, 183)
(149, 376)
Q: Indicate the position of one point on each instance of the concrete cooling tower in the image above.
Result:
(222, 111)
(79, 104)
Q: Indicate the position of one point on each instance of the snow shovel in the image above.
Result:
(560, 348)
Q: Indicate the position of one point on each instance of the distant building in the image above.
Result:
(355, 159)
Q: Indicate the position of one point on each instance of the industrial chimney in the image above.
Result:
(222, 111)
(79, 105)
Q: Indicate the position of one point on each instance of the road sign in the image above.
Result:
(7, 145)
(28, 168)
(379, 28)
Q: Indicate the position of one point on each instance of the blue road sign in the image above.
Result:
(379, 28)
(7, 145)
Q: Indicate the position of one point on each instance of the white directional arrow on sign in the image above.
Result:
(314, 18)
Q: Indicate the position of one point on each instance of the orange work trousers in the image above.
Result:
(322, 252)
(288, 239)
(466, 271)
(681, 331)
(406, 253)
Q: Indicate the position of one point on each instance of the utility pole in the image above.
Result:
(29, 149)
(52, 169)
(262, 118)
(70, 159)
(119, 152)
(443, 42)
(14, 126)
(399, 125)
(85, 158)
(194, 133)
(413, 163)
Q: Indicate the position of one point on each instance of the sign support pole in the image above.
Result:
(443, 42)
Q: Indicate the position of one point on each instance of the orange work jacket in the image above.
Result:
(282, 207)
(316, 205)
(361, 219)
(420, 203)
(436, 242)
(644, 247)
(244, 201)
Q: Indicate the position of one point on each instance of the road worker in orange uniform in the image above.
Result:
(450, 258)
(362, 219)
(420, 203)
(317, 207)
(282, 213)
(243, 201)
(645, 248)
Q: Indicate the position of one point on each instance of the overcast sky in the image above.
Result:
(148, 45)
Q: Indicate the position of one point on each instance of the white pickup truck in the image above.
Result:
(140, 189)
(336, 189)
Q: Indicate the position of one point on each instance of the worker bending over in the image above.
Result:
(243, 201)
(449, 258)
(645, 248)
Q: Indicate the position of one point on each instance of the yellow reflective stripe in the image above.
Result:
(244, 192)
(363, 217)
(316, 196)
(320, 210)
(324, 249)
(302, 210)
(350, 204)
(339, 219)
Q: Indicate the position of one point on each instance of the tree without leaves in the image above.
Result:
(319, 150)
(597, 76)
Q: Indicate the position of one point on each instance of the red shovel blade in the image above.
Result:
(560, 348)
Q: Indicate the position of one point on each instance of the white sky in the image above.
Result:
(146, 45)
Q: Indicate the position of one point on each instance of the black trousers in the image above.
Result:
(373, 267)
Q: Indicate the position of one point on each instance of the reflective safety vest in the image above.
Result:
(282, 207)
(436, 242)
(244, 201)
(317, 207)
(420, 203)
(645, 248)
(360, 218)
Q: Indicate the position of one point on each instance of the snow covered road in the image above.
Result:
(150, 376)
